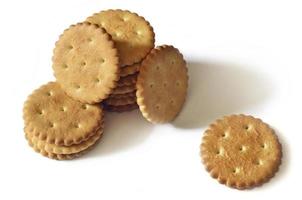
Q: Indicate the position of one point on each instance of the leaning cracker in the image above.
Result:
(85, 63)
(127, 80)
(162, 84)
(132, 34)
(52, 148)
(129, 69)
(120, 101)
(53, 116)
(241, 151)
(124, 89)
(123, 108)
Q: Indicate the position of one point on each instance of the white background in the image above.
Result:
(243, 57)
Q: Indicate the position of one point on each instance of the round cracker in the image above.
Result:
(129, 69)
(123, 108)
(53, 116)
(162, 84)
(85, 63)
(124, 89)
(56, 149)
(120, 101)
(127, 80)
(241, 151)
(132, 34)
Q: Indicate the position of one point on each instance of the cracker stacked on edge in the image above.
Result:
(134, 39)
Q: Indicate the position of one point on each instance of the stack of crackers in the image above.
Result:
(108, 62)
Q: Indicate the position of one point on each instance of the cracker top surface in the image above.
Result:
(85, 63)
(162, 84)
(56, 118)
(241, 151)
(132, 34)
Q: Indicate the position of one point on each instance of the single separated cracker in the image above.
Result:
(132, 34)
(56, 149)
(53, 116)
(162, 84)
(123, 108)
(127, 80)
(241, 151)
(120, 101)
(85, 63)
(129, 69)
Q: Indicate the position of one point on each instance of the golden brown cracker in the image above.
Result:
(132, 34)
(162, 84)
(241, 151)
(123, 108)
(53, 116)
(56, 149)
(124, 89)
(129, 69)
(58, 156)
(119, 96)
(85, 63)
(127, 80)
(120, 101)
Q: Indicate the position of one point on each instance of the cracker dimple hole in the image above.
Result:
(70, 47)
(157, 67)
(77, 87)
(177, 83)
(102, 60)
(247, 127)
(64, 66)
(51, 124)
(157, 107)
(97, 80)
(165, 84)
(172, 101)
(151, 85)
(89, 40)
(263, 146)
(63, 109)
(84, 107)
(40, 112)
(219, 152)
(77, 125)
(259, 162)
(83, 63)
(172, 62)
(236, 170)
(49, 93)
(125, 19)
(242, 148)
(225, 134)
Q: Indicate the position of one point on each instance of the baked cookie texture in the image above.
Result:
(133, 35)
(86, 63)
(162, 84)
(241, 151)
(54, 117)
